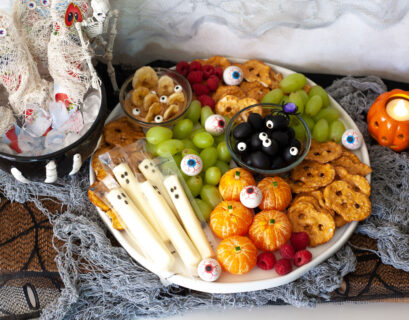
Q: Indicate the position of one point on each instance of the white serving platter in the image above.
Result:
(256, 279)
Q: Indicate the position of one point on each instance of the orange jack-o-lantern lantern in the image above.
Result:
(388, 120)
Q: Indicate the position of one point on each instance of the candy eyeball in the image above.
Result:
(45, 3)
(152, 92)
(290, 154)
(209, 269)
(352, 139)
(233, 76)
(191, 165)
(293, 151)
(263, 136)
(136, 111)
(215, 124)
(270, 124)
(31, 5)
(241, 147)
(3, 32)
(163, 99)
(251, 197)
(266, 143)
(178, 88)
(158, 119)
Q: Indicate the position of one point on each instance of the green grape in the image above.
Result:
(195, 185)
(206, 113)
(182, 129)
(318, 90)
(187, 151)
(205, 209)
(293, 82)
(211, 195)
(212, 175)
(151, 148)
(321, 130)
(284, 100)
(274, 96)
(194, 111)
(223, 166)
(196, 131)
(188, 144)
(329, 114)
(178, 158)
(299, 131)
(313, 106)
(171, 146)
(336, 130)
(226, 119)
(156, 135)
(209, 157)
(223, 153)
(203, 140)
(218, 139)
(304, 96)
(308, 120)
(297, 100)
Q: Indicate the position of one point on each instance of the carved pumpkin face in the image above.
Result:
(387, 131)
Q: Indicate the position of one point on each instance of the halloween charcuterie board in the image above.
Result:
(309, 187)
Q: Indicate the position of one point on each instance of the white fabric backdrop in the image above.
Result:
(331, 36)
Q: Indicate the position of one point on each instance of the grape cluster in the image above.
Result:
(313, 105)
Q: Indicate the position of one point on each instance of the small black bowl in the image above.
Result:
(34, 168)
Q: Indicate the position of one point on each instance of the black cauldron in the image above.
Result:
(48, 168)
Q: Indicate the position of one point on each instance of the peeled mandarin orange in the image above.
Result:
(276, 194)
(230, 218)
(233, 181)
(237, 254)
(270, 230)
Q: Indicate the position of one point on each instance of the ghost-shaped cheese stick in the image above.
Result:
(188, 216)
(130, 184)
(139, 228)
(155, 177)
(180, 240)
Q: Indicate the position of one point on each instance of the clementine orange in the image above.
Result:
(276, 194)
(233, 181)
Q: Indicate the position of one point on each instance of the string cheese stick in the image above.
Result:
(130, 184)
(188, 216)
(155, 177)
(176, 234)
(140, 229)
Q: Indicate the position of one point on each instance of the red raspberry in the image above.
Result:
(299, 240)
(266, 260)
(208, 71)
(195, 66)
(200, 89)
(287, 251)
(218, 71)
(195, 77)
(302, 257)
(206, 100)
(183, 68)
(213, 83)
(283, 266)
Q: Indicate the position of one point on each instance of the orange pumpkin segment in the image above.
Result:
(233, 181)
(270, 230)
(237, 254)
(230, 218)
(276, 194)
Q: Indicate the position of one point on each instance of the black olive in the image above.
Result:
(246, 158)
(242, 147)
(242, 131)
(276, 122)
(260, 160)
(277, 163)
(255, 142)
(291, 133)
(295, 143)
(256, 121)
(290, 154)
(281, 137)
(269, 147)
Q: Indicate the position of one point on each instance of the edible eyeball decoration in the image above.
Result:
(215, 124)
(290, 154)
(136, 111)
(233, 76)
(178, 88)
(352, 139)
(251, 197)
(158, 119)
(241, 147)
(209, 269)
(191, 165)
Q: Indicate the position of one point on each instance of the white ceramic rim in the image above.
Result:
(196, 283)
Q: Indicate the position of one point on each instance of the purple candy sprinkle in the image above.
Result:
(290, 107)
